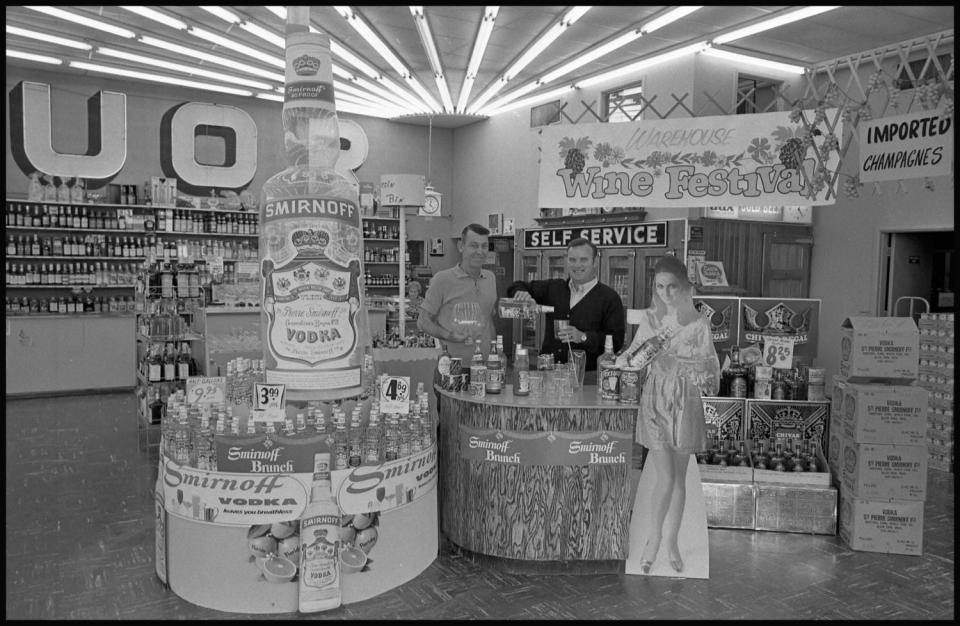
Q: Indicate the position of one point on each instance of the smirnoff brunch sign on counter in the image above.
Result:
(546, 448)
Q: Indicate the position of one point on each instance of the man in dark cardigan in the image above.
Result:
(594, 310)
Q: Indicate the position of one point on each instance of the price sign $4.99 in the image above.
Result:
(395, 394)
(778, 351)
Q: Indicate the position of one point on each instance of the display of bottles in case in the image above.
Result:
(383, 252)
(170, 332)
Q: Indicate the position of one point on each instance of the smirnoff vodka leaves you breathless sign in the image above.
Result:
(738, 160)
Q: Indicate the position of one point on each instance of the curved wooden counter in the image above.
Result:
(558, 513)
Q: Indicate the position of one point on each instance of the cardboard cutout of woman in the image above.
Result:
(670, 422)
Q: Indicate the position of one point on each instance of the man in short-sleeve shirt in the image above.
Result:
(465, 282)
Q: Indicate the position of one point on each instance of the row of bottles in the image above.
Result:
(165, 362)
(241, 376)
(372, 230)
(73, 217)
(741, 381)
(100, 274)
(415, 338)
(69, 304)
(91, 245)
(775, 455)
(185, 221)
(170, 249)
(171, 279)
(380, 280)
(187, 431)
(383, 255)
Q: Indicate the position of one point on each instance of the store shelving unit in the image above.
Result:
(170, 318)
(383, 254)
(59, 252)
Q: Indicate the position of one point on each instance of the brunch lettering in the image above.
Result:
(742, 160)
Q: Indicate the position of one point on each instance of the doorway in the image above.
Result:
(917, 264)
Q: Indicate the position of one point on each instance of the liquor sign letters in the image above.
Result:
(546, 448)
(31, 141)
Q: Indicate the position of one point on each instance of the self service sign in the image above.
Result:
(645, 235)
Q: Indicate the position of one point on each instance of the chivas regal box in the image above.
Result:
(798, 318)
(879, 413)
(877, 471)
(722, 313)
(725, 419)
(888, 526)
(879, 349)
(789, 419)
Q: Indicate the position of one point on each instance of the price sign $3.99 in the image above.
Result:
(395, 394)
(268, 396)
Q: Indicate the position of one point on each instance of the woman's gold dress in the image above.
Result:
(671, 405)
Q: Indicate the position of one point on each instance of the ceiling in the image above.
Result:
(844, 31)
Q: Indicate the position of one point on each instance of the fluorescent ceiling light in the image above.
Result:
(596, 53)
(353, 60)
(765, 63)
(534, 51)
(349, 107)
(212, 58)
(371, 38)
(85, 21)
(270, 96)
(574, 14)
(391, 94)
(264, 34)
(157, 16)
(280, 12)
(554, 93)
(226, 42)
(642, 64)
(444, 93)
(421, 91)
(668, 17)
(223, 14)
(159, 78)
(479, 48)
(780, 20)
(177, 67)
(426, 38)
(513, 95)
(39, 58)
(485, 96)
(70, 43)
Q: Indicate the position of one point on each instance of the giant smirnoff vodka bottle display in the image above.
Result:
(311, 244)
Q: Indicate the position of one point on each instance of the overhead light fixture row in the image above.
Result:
(158, 78)
(476, 57)
(752, 60)
(766, 24)
(29, 56)
(76, 18)
(177, 67)
(45, 37)
(157, 16)
(192, 53)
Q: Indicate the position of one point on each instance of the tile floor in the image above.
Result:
(79, 545)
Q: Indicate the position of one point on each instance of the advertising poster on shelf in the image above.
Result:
(728, 160)
(796, 318)
(224, 526)
(723, 314)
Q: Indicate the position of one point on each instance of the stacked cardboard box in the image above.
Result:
(936, 376)
(880, 453)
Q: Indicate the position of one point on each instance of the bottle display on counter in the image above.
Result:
(608, 374)
(494, 381)
(313, 322)
(320, 543)
(736, 375)
(521, 372)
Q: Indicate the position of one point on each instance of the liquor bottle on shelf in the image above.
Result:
(719, 454)
(813, 465)
(391, 439)
(169, 363)
(341, 446)
(736, 375)
(608, 374)
(184, 361)
(372, 436)
(740, 458)
(355, 440)
(759, 455)
(778, 462)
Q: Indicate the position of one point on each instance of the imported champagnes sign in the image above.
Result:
(739, 160)
(915, 145)
(389, 485)
(546, 448)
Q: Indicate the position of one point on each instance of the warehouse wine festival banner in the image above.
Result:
(731, 160)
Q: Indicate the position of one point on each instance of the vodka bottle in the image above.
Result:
(355, 440)
(372, 436)
(341, 446)
(608, 374)
(311, 240)
(320, 543)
